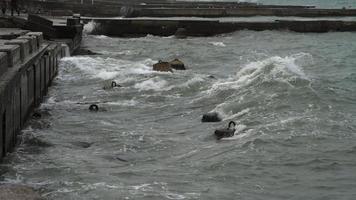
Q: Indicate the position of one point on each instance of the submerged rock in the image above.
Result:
(162, 67)
(84, 145)
(85, 52)
(181, 33)
(177, 64)
(211, 117)
(18, 192)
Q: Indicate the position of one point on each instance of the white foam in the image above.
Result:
(219, 44)
(274, 68)
(106, 68)
(101, 37)
(155, 84)
(89, 27)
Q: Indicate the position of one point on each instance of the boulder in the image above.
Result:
(162, 67)
(18, 192)
(211, 117)
(177, 64)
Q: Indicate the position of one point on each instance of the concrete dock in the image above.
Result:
(132, 27)
(112, 8)
(28, 63)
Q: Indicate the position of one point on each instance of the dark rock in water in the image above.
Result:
(212, 77)
(177, 64)
(162, 67)
(18, 192)
(84, 145)
(181, 33)
(211, 117)
(227, 132)
(36, 115)
(84, 52)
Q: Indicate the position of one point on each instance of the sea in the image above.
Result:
(292, 96)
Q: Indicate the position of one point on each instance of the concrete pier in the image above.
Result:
(165, 27)
(28, 64)
(150, 8)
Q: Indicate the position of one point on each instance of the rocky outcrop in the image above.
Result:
(211, 117)
(162, 66)
(181, 33)
(177, 64)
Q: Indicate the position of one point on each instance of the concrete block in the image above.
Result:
(43, 75)
(38, 93)
(33, 42)
(17, 109)
(24, 47)
(13, 54)
(31, 86)
(9, 124)
(3, 63)
(39, 36)
(24, 97)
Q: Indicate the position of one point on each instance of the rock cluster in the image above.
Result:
(163, 66)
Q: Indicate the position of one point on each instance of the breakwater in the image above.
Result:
(178, 8)
(208, 27)
(28, 64)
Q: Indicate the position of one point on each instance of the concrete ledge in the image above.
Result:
(33, 42)
(24, 47)
(3, 63)
(13, 54)
(39, 37)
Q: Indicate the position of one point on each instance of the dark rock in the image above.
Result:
(18, 192)
(83, 144)
(181, 33)
(227, 132)
(211, 117)
(177, 64)
(85, 52)
(162, 66)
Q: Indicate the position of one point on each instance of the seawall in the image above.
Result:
(166, 27)
(28, 64)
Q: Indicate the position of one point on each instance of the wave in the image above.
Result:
(218, 44)
(89, 27)
(106, 68)
(252, 80)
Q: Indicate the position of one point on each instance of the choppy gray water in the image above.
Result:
(293, 96)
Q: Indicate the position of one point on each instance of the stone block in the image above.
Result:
(24, 47)
(33, 42)
(3, 63)
(17, 109)
(38, 93)
(13, 54)
(43, 75)
(24, 97)
(39, 36)
(31, 86)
